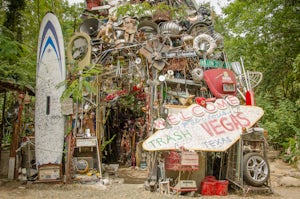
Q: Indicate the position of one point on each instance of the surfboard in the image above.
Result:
(50, 71)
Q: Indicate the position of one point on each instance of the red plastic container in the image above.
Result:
(210, 178)
(208, 188)
(172, 161)
(221, 187)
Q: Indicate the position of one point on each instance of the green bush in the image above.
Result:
(281, 120)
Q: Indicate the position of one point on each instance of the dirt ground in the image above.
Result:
(129, 183)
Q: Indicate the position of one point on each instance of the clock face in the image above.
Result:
(82, 166)
(79, 48)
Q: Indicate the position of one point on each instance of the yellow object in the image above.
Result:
(89, 174)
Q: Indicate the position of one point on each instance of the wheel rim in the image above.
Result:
(199, 28)
(257, 168)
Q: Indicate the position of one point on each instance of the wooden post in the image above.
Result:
(3, 125)
(99, 125)
(12, 155)
(15, 143)
(68, 161)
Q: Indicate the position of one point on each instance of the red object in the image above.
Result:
(222, 187)
(250, 98)
(210, 178)
(136, 88)
(173, 162)
(21, 96)
(201, 101)
(208, 188)
(93, 3)
(217, 78)
(121, 92)
(110, 97)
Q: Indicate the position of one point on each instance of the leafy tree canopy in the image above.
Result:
(19, 45)
(266, 34)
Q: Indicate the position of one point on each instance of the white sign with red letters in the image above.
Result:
(212, 128)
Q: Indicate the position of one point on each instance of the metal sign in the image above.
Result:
(212, 63)
(179, 54)
(214, 128)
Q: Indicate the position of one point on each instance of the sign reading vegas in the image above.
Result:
(214, 127)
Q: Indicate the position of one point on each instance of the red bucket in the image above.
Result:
(210, 178)
(208, 188)
(222, 187)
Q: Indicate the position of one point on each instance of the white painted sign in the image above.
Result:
(86, 142)
(214, 128)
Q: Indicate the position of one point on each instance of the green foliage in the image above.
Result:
(143, 9)
(80, 82)
(71, 19)
(292, 149)
(16, 60)
(266, 34)
(14, 17)
(68, 16)
(280, 118)
(2, 12)
(134, 10)
(106, 142)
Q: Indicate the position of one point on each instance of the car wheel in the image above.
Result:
(256, 169)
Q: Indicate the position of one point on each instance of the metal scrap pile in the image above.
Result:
(137, 51)
(154, 65)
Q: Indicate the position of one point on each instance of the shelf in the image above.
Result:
(86, 142)
(183, 81)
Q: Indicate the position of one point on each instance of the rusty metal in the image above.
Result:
(69, 171)
(161, 15)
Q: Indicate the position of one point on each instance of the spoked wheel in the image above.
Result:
(256, 169)
(200, 28)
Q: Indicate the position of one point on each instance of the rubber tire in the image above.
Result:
(149, 24)
(254, 160)
(212, 44)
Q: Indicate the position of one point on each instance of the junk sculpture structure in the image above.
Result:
(166, 85)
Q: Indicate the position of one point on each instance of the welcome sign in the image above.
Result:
(213, 128)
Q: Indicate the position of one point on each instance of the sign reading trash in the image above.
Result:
(212, 128)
